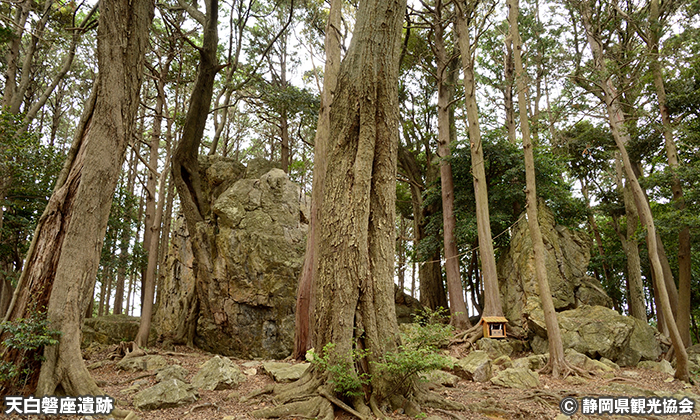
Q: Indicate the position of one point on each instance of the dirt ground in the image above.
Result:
(484, 400)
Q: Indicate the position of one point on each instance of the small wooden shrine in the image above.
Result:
(494, 326)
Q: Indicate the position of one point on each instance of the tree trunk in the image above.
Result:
(108, 288)
(432, 290)
(149, 283)
(684, 260)
(65, 252)
(630, 246)
(556, 349)
(458, 308)
(401, 245)
(596, 231)
(12, 58)
(508, 89)
(6, 291)
(148, 290)
(124, 242)
(355, 255)
(303, 339)
(187, 178)
(492, 297)
(616, 120)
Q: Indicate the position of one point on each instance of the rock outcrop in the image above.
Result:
(218, 373)
(599, 332)
(142, 363)
(567, 257)
(110, 329)
(516, 378)
(587, 324)
(170, 393)
(285, 372)
(259, 236)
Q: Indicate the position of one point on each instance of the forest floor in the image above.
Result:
(485, 401)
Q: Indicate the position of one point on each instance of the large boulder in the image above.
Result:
(171, 372)
(494, 347)
(643, 345)
(516, 378)
(475, 366)
(218, 373)
(258, 229)
(141, 363)
(170, 393)
(566, 259)
(109, 329)
(598, 332)
(407, 307)
(285, 372)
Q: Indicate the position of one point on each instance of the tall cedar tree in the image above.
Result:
(556, 363)
(64, 255)
(492, 298)
(354, 299)
(303, 339)
(616, 119)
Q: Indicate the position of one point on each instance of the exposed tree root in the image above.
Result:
(375, 407)
(200, 406)
(433, 400)
(287, 392)
(409, 407)
(267, 390)
(325, 394)
(448, 413)
(621, 379)
(315, 407)
(312, 398)
(565, 369)
(469, 336)
(126, 349)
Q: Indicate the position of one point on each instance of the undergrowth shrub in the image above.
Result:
(419, 353)
(28, 337)
(342, 374)
(431, 330)
(420, 350)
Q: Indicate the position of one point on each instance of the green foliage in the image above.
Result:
(505, 173)
(342, 373)
(430, 331)
(407, 361)
(28, 171)
(419, 353)
(28, 337)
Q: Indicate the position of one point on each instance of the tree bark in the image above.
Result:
(492, 297)
(557, 363)
(187, 178)
(684, 260)
(355, 254)
(508, 89)
(458, 308)
(303, 338)
(65, 252)
(616, 120)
